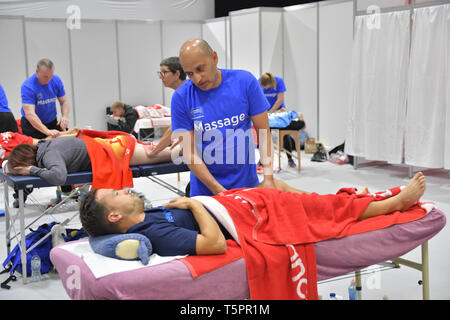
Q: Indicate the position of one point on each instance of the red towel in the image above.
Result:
(110, 153)
(9, 140)
(197, 265)
(277, 231)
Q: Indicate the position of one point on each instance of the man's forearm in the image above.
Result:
(37, 123)
(65, 109)
(266, 152)
(200, 170)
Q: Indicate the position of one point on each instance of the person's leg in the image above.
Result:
(400, 202)
(283, 186)
(8, 122)
(140, 156)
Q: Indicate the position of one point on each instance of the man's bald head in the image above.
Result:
(196, 44)
(199, 61)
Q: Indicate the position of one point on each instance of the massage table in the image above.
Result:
(151, 123)
(77, 178)
(82, 278)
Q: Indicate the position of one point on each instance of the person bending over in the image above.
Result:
(185, 226)
(53, 159)
(123, 118)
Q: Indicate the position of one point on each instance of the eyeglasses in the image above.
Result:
(162, 74)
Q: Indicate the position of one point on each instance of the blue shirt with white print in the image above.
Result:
(43, 97)
(220, 119)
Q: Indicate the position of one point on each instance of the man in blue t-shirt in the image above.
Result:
(7, 120)
(214, 112)
(39, 94)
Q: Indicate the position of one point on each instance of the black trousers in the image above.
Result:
(29, 130)
(288, 141)
(8, 122)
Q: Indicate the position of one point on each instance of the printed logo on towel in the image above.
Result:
(73, 281)
(300, 277)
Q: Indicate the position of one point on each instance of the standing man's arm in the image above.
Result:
(261, 124)
(30, 114)
(196, 164)
(65, 109)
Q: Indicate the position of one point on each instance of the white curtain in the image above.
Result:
(377, 102)
(427, 136)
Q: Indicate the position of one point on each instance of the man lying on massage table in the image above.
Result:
(275, 228)
(190, 229)
(53, 159)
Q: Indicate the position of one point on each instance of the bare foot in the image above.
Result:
(412, 192)
(365, 190)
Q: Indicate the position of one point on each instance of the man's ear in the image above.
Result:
(215, 57)
(114, 217)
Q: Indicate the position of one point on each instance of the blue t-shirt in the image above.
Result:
(171, 231)
(271, 94)
(43, 97)
(3, 101)
(220, 119)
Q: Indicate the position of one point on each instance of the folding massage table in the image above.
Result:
(79, 178)
(83, 279)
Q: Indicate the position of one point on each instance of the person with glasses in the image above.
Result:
(172, 76)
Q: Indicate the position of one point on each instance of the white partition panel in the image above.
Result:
(272, 42)
(139, 46)
(373, 4)
(335, 54)
(215, 33)
(300, 63)
(95, 72)
(174, 34)
(50, 39)
(12, 61)
(245, 41)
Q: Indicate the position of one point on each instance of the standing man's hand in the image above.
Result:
(54, 133)
(63, 123)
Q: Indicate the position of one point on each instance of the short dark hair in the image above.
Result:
(93, 216)
(23, 155)
(174, 65)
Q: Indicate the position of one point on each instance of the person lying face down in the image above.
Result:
(53, 159)
(185, 226)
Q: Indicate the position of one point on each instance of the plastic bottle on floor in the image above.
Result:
(352, 290)
(36, 268)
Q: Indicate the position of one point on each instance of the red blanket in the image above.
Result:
(9, 140)
(110, 153)
(277, 231)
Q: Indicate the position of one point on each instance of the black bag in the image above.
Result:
(320, 155)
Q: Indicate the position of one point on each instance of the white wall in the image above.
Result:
(12, 61)
(95, 72)
(245, 46)
(174, 34)
(139, 56)
(113, 9)
(216, 34)
(300, 63)
(335, 56)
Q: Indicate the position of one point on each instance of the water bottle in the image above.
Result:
(36, 268)
(58, 194)
(352, 290)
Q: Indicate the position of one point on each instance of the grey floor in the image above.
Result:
(325, 177)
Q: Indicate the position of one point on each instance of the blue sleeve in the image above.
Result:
(28, 95)
(60, 92)
(3, 99)
(181, 118)
(281, 87)
(256, 99)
